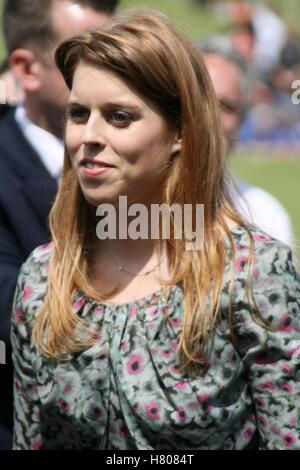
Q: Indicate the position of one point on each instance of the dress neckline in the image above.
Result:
(148, 299)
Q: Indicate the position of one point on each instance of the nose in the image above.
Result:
(93, 134)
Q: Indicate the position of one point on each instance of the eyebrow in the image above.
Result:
(107, 104)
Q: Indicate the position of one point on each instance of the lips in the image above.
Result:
(94, 164)
(91, 168)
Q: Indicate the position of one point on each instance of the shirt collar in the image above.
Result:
(49, 148)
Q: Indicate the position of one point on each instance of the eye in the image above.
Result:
(77, 114)
(120, 118)
(228, 107)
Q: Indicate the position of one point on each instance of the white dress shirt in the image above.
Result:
(265, 212)
(49, 148)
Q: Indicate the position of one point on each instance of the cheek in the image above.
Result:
(72, 139)
(146, 145)
(230, 124)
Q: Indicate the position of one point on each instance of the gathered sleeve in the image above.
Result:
(271, 355)
(28, 299)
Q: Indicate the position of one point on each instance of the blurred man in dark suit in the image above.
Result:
(31, 150)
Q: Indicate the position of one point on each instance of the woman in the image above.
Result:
(123, 343)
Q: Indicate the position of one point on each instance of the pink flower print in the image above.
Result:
(123, 430)
(79, 304)
(248, 434)
(256, 273)
(132, 312)
(262, 421)
(18, 385)
(182, 385)
(287, 369)
(27, 293)
(262, 238)
(99, 310)
(204, 401)
(19, 316)
(289, 439)
(43, 247)
(124, 346)
(295, 354)
(175, 370)
(134, 365)
(64, 405)
(266, 385)
(175, 323)
(174, 345)
(153, 411)
(153, 351)
(261, 361)
(260, 402)
(151, 325)
(293, 421)
(67, 389)
(154, 313)
(181, 414)
(275, 431)
(96, 412)
(287, 387)
(233, 358)
(285, 324)
(166, 354)
(37, 445)
(241, 263)
(193, 405)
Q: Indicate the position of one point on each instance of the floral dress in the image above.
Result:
(127, 391)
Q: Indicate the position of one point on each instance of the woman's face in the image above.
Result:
(118, 142)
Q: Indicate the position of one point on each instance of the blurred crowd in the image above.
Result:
(271, 50)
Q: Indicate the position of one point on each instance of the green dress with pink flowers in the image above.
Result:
(128, 392)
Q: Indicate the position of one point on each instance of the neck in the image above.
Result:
(137, 229)
(51, 120)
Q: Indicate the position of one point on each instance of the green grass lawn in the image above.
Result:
(192, 19)
(277, 176)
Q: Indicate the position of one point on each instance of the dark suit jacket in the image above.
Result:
(26, 194)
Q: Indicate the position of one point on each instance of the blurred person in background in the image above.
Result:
(267, 32)
(273, 120)
(11, 91)
(229, 76)
(31, 150)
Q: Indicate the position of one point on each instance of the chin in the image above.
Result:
(97, 200)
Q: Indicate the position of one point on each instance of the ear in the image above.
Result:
(176, 147)
(26, 68)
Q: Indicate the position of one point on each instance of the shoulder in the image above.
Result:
(36, 265)
(264, 246)
(33, 281)
(7, 118)
(270, 256)
(271, 275)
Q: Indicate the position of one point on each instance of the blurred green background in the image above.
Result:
(278, 174)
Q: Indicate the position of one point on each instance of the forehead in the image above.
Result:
(70, 19)
(225, 75)
(99, 82)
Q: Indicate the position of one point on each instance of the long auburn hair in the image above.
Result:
(148, 51)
